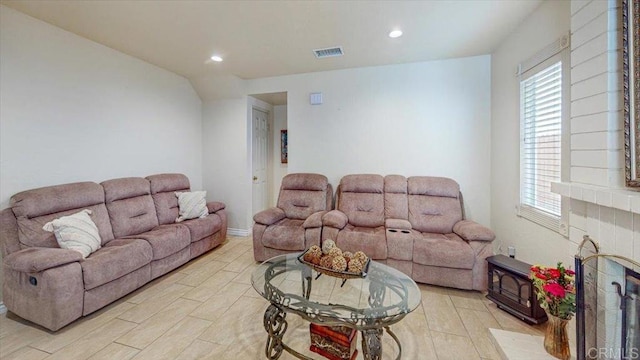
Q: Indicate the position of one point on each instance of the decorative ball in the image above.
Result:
(339, 263)
(326, 262)
(335, 251)
(308, 256)
(347, 255)
(355, 266)
(327, 245)
(316, 259)
(360, 256)
(316, 250)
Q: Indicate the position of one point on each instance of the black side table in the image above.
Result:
(511, 289)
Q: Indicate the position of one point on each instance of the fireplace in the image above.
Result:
(630, 306)
(607, 305)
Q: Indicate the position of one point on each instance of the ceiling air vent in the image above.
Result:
(328, 52)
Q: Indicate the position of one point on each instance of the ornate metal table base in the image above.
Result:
(276, 325)
(391, 295)
(372, 344)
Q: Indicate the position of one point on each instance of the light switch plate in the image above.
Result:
(315, 98)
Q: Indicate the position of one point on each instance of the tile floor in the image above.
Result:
(207, 309)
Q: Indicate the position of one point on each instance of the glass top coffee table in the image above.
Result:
(370, 304)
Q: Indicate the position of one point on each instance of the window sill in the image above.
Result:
(622, 199)
(541, 218)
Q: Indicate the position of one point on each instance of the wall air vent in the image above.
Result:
(328, 52)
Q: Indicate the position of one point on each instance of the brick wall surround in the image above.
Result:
(597, 155)
(600, 205)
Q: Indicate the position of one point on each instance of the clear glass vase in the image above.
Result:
(556, 339)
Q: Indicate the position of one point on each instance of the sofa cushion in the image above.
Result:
(433, 186)
(117, 258)
(203, 227)
(167, 209)
(362, 183)
(166, 240)
(304, 181)
(163, 188)
(76, 232)
(300, 204)
(443, 250)
(363, 209)
(434, 204)
(54, 199)
(192, 205)
(302, 195)
(131, 208)
(371, 241)
(168, 183)
(287, 234)
(361, 199)
(434, 214)
(395, 197)
(34, 208)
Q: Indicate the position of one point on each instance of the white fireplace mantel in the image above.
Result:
(622, 199)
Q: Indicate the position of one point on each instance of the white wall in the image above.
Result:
(226, 162)
(279, 169)
(534, 243)
(429, 118)
(74, 110)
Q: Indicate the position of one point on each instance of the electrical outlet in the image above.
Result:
(512, 251)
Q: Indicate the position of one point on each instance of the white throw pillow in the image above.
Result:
(192, 205)
(76, 232)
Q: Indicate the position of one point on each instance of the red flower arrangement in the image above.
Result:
(556, 290)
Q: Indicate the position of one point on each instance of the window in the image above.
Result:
(542, 114)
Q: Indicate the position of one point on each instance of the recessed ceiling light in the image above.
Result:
(395, 34)
(216, 58)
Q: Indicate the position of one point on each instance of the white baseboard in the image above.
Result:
(3, 309)
(238, 232)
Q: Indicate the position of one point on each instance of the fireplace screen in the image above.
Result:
(631, 316)
(614, 335)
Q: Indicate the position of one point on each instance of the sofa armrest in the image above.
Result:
(399, 224)
(314, 220)
(214, 206)
(34, 260)
(269, 216)
(471, 230)
(335, 219)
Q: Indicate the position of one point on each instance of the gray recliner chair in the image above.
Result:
(296, 222)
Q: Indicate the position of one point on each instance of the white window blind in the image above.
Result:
(541, 145)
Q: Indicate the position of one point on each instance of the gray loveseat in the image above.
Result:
(135, 217)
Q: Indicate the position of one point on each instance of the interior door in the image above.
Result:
(259, 159)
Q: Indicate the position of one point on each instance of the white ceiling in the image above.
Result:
(272, 38)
